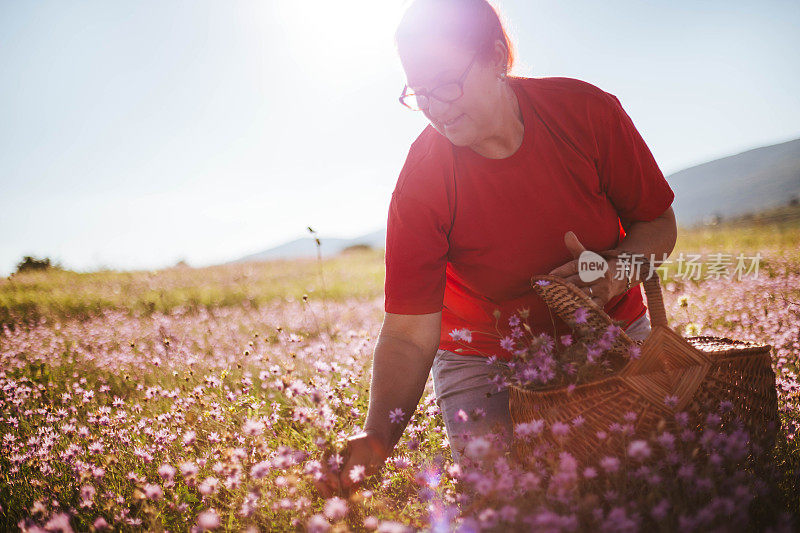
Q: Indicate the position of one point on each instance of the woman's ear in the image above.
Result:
(500, 58)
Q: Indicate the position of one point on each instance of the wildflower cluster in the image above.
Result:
(222, 419)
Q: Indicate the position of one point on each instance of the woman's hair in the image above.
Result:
(472, 24)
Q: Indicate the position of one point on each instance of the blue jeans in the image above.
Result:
(462, 386)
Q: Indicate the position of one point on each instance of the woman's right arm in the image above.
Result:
(401, 363)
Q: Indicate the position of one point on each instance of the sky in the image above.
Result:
(137, 134)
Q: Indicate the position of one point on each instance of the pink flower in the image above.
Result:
(317, 524)
(260, 470)
(208, 486)
(189, 469)
(100, 524)
(87, 495)
(357, 473)
(166, 471)
(581, 315)
(526, 429)
(477, 447)
(461, 335)
(153, 492)
(208, 520)
(462, 415)
(566, 340)
(253, 428)
(335, 508)
(60, 523)
(189, 437)
(513, 321)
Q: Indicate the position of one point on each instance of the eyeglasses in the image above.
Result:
(447, 92)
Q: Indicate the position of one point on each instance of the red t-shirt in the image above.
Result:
(465, 233)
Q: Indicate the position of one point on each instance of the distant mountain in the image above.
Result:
(306, 247)
(749, 182)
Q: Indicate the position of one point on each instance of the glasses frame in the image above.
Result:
(429, 94)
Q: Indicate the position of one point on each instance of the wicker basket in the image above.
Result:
(699, 371)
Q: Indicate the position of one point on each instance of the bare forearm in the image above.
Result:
(654, 239)
(399, 373)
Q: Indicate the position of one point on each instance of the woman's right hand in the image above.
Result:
(365, 450)
(402, 361)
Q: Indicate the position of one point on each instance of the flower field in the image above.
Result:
(211, 399)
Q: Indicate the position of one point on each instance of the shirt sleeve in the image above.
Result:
(628, 172)
(416, 254)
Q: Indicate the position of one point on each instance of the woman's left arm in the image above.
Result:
(653, 240)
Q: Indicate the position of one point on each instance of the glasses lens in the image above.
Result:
(448, 92)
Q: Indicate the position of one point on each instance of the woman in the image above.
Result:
(513, 177)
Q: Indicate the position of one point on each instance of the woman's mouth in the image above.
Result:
(452, 122)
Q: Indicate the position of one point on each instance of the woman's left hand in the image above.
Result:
(601, 290)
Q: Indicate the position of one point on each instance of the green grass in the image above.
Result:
(58, 294)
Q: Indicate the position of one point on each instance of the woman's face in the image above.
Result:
(472, 117)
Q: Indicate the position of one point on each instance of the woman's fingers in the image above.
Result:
(567, 269)
(597, 292)
(329, 484)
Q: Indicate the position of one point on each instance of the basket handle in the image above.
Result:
(652, 289)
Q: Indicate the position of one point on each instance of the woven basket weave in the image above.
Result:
(700, 372)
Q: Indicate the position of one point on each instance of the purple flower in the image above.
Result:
(396, 415)
(639, 450)
(609, 464)
(581, 315)
(559, 429)
(513, 321)
(507, 343)
(634, 352)
(667, 440)
(593, 353)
